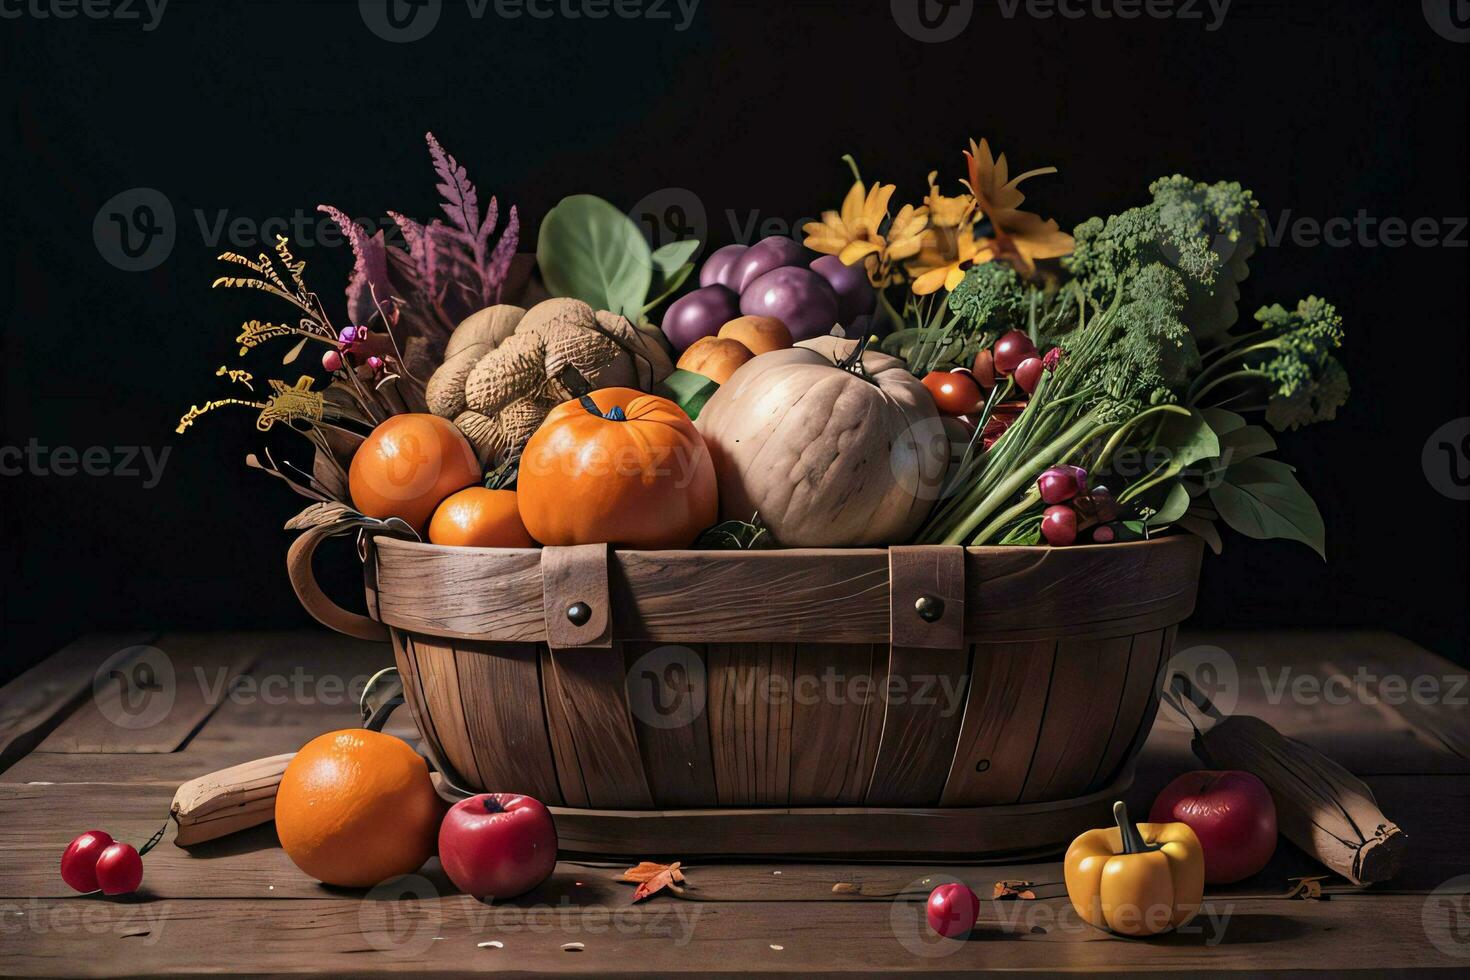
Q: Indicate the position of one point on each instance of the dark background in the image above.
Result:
(264, 110)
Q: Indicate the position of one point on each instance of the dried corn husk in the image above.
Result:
(224, 802)
(1320, 806)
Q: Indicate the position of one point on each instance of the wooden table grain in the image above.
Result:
(72, 759)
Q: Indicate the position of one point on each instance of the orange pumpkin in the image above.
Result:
(407, 465)
(477, 517)
(617, 466)
(759, 334)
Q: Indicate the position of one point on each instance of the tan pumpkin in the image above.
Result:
(827, 453)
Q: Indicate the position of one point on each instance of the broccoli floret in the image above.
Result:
(991, 297)
(1308, 383)
(1206, 232)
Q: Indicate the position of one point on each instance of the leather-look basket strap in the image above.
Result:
(926, 588)
(575, 596)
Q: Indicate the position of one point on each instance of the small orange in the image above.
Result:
(357, 807)
(480, 518)
(715, 357)
(408, 464)
(760, 334)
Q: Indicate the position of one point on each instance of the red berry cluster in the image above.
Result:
(94, 861)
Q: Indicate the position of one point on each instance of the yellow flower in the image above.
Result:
(947, 212)
(947, 253)
(1021, 237)
(854, 234)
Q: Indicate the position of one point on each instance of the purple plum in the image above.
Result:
(699, 314)
(762, 257)
(719, 268)
(795, 295)
(850, 282)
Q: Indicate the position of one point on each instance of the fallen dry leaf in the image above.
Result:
(653, 878)
(1308, 888)
(1013, 888)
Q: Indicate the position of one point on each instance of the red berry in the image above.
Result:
(1028, 374)
(984, 369)
(1059, 525)
(953, 910)
(332, 361)
(1011, 349)
(79, 860)
(119, 869)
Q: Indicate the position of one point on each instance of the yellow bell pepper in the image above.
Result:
(1137, 881)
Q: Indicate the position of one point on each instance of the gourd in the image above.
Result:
(831, 444)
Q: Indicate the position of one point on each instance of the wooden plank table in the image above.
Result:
(71, 762)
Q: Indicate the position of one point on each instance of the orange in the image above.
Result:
(715, 358)
(760, 334)
(480, 518)
(357, 807)
(407, 465)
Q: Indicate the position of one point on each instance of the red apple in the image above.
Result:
(497, 845)
(79, 860)
(952, 910)
(1230, 812)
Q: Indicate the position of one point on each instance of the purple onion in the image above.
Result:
(719, 268)
(1061, 483)
(699, 314)
(855, 296)
(765, 256)
(796, 296)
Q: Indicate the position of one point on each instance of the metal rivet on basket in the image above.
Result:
(579, 613)
(930, 608)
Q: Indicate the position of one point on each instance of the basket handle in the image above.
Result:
(315, 601)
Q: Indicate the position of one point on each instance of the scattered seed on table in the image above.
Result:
(572, 947)
(777, 948)
(492, 944)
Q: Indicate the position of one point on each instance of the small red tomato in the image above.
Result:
(1028, 374)
(952, 910)
(984, 369)
(1011, 349)
(79, 860)
(955, 392)
(1059, 525)
(119, 869)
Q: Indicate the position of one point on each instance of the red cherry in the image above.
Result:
(952, 910)
(79, 860)
(119, 869)
(1011, 349)
(1059, 525)
(984, 369)
(1028, 374)
(955, 392)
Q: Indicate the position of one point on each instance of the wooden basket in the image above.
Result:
(981, 702)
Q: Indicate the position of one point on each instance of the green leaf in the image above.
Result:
(670, 285)
(1203, 528)
(687, 390)
(589, 250)
(1222, 420)
(1173, 508)
(1262, 499)
(668, 259)
(1189, 440)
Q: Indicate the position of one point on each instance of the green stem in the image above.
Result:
(1132, 839)
(1195, 396)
